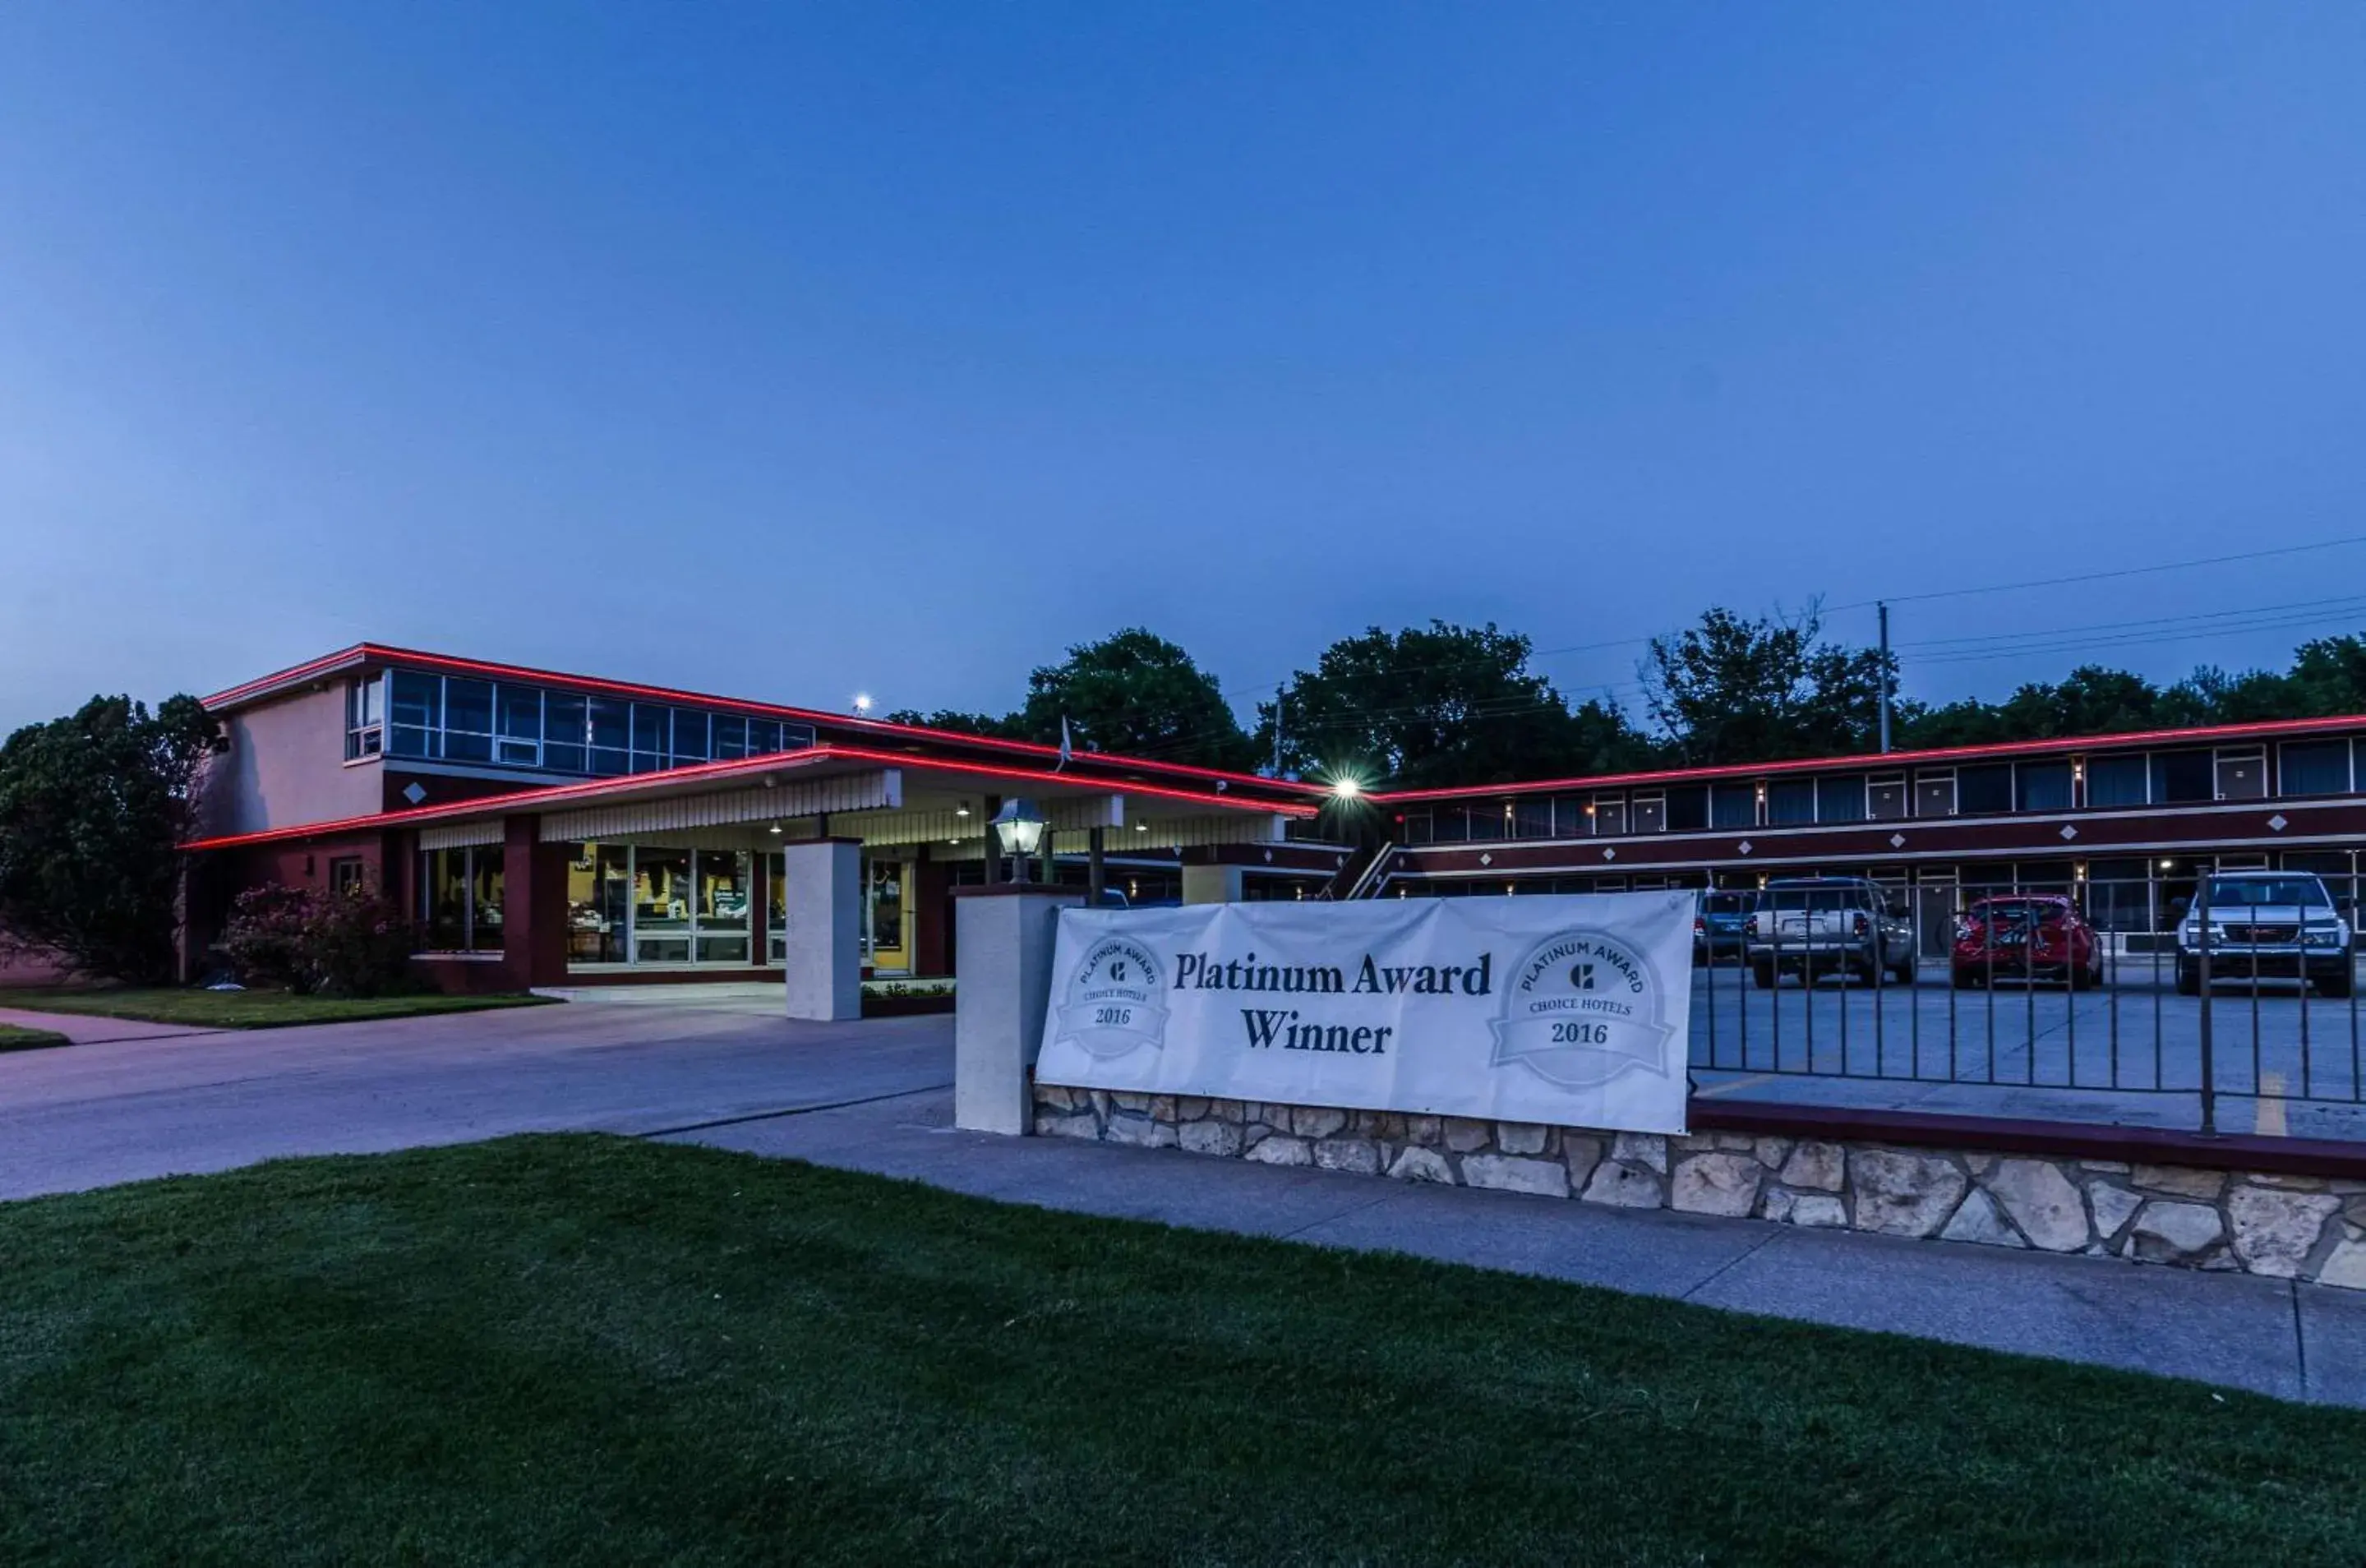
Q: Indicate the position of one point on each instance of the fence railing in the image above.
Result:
(2046, 1000)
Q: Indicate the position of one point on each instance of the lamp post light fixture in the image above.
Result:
(863, 705)
(1019, 828)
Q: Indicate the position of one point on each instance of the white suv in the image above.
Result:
(2279, 924)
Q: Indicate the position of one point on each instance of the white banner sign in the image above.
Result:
(1572, 1010)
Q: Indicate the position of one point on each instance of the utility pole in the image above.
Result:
(1277, 729)
(1884, 610)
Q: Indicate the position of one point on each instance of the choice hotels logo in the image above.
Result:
(1114, 1002)
(1583, 1008)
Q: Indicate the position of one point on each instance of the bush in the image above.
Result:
(348, 943)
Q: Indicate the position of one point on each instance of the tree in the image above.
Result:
(1438, 706)
(1136, 693)
(1731, 690)
(953, 721)
(93, 809)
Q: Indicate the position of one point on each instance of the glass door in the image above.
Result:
(886, 930)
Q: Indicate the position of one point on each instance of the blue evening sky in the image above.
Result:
(795, 350)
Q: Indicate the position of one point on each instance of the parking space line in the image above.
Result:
(2268, 1114)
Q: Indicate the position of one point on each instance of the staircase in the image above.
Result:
(1364, 874)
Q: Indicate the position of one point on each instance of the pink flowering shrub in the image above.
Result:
(349, 944)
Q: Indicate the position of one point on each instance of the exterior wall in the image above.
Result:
(2253, 825)
(2272, 1223)
(286, 767)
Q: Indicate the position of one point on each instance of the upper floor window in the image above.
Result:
(1649, 813)
(2043, 786)
(1733, 805)
(1934, 792)
(2315, 767)
(1790, 802)
(2243, 775)
(506, 724)
(1840, 798)
(1884, 799)
(1610, 814)
(2180, 778)
(364, 717)
(2116, 781)
(1984, 790)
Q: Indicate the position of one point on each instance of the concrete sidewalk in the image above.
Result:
(2302, 1342)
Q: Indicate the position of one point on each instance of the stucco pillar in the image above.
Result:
(820, 906)
(1212, 885)
(1004, 935)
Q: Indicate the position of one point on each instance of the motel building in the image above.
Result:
(2124, 823)
(560, 831)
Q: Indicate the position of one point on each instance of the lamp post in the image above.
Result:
(1019, 828)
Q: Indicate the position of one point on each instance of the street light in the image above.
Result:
(1019, 827)
(863, 704)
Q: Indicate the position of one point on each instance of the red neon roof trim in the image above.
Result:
(560, 795)
(372, 652)
(1873, 762)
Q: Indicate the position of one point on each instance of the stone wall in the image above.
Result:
(2299, 1227)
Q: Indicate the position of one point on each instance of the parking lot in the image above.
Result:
(2285, 1063)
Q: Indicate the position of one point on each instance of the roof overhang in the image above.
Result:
(805, 783)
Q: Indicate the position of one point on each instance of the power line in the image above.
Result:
(2341, 604)
(2100, 576)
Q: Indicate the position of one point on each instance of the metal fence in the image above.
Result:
(2120, 1024)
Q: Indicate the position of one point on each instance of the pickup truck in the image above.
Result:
(2278, 924)
(1818, 925)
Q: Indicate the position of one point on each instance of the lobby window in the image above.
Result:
(2314, 767)
(364, 717)
(1840, 798)
(599, 903)
(460, 894)
(765, 736)
(2116, 781)
(1790, 802)
(731, 738)
(724, 906)
(347, 873)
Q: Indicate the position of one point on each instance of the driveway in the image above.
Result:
(153, 1101)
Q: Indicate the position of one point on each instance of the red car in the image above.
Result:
(2026, 936)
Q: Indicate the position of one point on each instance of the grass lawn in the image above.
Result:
(13, 1038)
(247, 1010)
(586, 1348)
